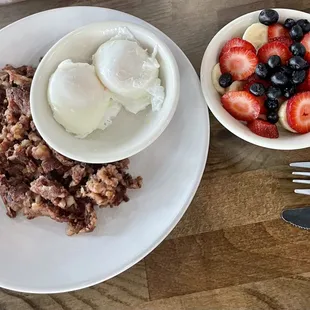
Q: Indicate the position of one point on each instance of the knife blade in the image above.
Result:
(299, 217)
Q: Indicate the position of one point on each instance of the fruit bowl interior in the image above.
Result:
(236, 28)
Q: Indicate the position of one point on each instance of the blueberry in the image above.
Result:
(289, 91)
(257, 89)
(225, 80)
(272, 117)
(298, 63)
(298, 49)
(286, 70)
(306, 29)
(268, 17)
(273, 92)
(303, 23)
(289, 23)
(298, 76)
(261, 70)
(279, 79)
(296, 33)
(271, 105)
(274, 61)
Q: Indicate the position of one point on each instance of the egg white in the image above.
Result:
(130, 73)
(77, 98)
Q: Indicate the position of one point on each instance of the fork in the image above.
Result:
(301, 181)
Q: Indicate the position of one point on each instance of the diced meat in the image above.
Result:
(63, 160)
(77, 173)
(48, 189)
(36, 181)
(15, 193)
(41, 152)
(18, 100)
(86, 224)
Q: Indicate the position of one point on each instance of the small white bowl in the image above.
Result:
(236, 28)
(129, 133)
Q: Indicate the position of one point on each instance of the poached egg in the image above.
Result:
(85, 97)
(130, 73)
(80, 103)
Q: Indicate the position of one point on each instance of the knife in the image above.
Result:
(299, 217)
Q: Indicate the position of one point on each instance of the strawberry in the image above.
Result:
(239, 62)
(306, 41)
(264, 129)
(277, 30)
(241, 105)
(307, 56)
(298, 112)
(255, 79)
(285, 40)
(305, 85)
(274, 48)
(261, 101)
(237, 42)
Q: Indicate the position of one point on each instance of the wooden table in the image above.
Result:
(230, 251)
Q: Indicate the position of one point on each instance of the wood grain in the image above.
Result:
(230, 251)
(227, 257)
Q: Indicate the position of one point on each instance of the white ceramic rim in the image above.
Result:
(148, 139)
(257, 140)
(186, 204)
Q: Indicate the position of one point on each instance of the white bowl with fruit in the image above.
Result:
(255, 78)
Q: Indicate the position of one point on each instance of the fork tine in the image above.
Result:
(301, 181)
(301, 164)
(302, 191)
(302, 173)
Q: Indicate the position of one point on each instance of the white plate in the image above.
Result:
(37, 256)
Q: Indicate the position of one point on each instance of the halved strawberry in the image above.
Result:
(239, 62)
(285, 40)
(264, 129)
(274, 48)
(306, 41)
(237, 42)
(261, 101)
(305, 85)
(277, 30)
(241, 105)
(298, 112)
(255, 79)
(307, 56)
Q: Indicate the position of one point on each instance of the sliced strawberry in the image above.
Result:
(264, 129)
(261, 101)
(274, 48)
(277, 30)
(306, 41)
(298, 112)
(241, 105)
(255, 79)
(285, 40)
(307, 56)
(237, 42)
(305, 85)
(240, 62)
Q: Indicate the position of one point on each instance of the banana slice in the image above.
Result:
(235, 86)
(257, 34)
(283, 118)
(216, 73)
